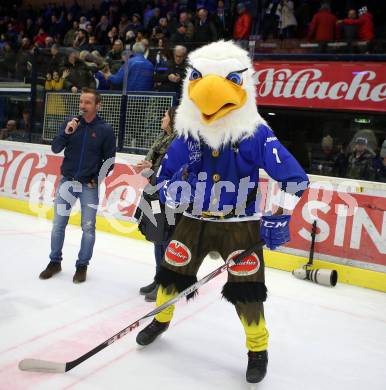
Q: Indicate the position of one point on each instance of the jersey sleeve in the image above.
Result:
(176, 156)
(279, 163)
(117, 78)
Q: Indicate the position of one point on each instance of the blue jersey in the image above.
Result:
(231, 174)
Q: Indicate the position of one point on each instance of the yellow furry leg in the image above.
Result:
(163, 296)
(256, 335)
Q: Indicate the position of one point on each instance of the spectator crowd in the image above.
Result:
(85, 47)
(361, 159)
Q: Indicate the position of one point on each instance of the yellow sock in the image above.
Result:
(256, 335)
(162, 296)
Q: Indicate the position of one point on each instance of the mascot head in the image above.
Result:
(218, 101)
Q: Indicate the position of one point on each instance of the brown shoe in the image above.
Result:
(53, 268)
(80, 274)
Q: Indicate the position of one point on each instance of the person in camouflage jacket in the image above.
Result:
(360, 161)
(160, 146)
(159, 234)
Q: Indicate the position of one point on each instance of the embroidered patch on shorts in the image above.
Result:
(177, 254)
(248, 266)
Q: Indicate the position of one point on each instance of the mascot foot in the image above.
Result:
(257, 366)
(147, 335)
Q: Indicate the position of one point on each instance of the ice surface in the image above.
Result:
(320, 338)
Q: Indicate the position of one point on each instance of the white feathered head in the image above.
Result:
(219, 96)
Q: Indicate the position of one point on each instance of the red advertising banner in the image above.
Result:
(34, 175)
(350, 226)
(332, 85)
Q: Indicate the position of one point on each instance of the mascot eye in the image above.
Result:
(195, 75)
(235, 78)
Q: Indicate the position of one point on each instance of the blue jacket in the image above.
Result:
(139, 75)
(86, 150)
(237, 164)
(103, 84)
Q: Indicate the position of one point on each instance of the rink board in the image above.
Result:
(351, 215)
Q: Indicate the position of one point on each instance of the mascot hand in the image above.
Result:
(186, 173)
(275, 230)
(180, 188)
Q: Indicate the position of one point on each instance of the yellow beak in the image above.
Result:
(215, 96)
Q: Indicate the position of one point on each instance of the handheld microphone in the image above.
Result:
(77, 119)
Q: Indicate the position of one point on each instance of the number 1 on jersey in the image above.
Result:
(274, 151)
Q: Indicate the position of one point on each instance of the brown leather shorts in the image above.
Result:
(193, 239)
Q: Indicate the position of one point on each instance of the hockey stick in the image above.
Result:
(37, 365)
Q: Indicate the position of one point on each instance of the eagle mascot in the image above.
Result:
(210, 174)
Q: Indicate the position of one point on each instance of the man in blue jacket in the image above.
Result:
(88, 143)
(140, 71)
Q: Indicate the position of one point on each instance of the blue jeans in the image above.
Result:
(159, 252)
(67, 193)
